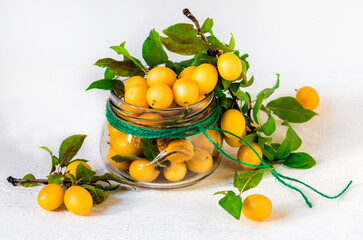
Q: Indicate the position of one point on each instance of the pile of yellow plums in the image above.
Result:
(193, 153)
(161, 89)
(76, 199)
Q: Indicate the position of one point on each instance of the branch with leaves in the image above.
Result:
(98, 186)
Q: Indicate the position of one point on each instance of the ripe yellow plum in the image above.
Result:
(143, 170)
(206, 77)
(161, 75)
(201, 162)
(229, 66)
(256, 207)
(51, 197)
(247, 155)
(159, 96)
(185, 92)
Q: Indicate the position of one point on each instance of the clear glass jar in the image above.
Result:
(179, 162)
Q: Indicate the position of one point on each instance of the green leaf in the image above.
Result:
(275, 145)
(109, 84)
(149, 149)
(182, 33)
(122, 68)
(83, 173)
(291, 143)
(269, 91)
(72, 178)
(289, 109)
(232, 42)
(207, 26)
(69, 148)
(110, 177)
(247, 84)
(226, 84)
(112, 187)
(225, 102)
(123, 51)
(98, 194)
(118, 158)
(109, 73)
(269, 152)
(299, 160)
(247, 180)
(194, 48)
(54, 178)
(218, 44)
(250, 138)
(55, 160)
(174, 66)
(187, 63)
(257, 107)
(153, 51)
(232, 203)
(78, 160)
(29, 176)
(204, 58)
(269, 126)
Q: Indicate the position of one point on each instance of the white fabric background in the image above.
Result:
(47, 49)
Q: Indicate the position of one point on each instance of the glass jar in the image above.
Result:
(161, 163)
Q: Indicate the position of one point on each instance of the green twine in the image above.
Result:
(202, 127)
(148, 133)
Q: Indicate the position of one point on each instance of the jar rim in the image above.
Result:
(207, 98)
(170, 117)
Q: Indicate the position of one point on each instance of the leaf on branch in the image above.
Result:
(32, 184)
(118, 158)
(174, 66)
(110, 177)
(269, 126)
(83, 173)
(153, 51)
(149, 149)
(109, 84)
(232, 203)
(54, 178)
(257, 107)
(70, 147)
(55, 160)
(289, 109)
(218, 44)
(269, 91)
(291, 143)
(123, 51)
(204, 58)
(232, 42)
(269, 152)
(109, 73)
(182, 33)
(193, 48)
(248, 83)
(207, 26)
(299, 160)
(247, 180)
(98, 194)
(121, 68)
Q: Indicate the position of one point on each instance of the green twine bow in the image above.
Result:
(202, 127)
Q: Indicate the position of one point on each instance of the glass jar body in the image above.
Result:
(160, 163)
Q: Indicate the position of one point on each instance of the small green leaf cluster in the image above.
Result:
(84, 176)
(244, 181)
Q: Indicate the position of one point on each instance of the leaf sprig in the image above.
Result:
(84, 177)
